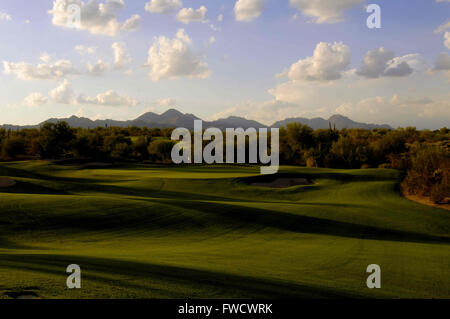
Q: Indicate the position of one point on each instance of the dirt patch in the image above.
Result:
(6, 182)
(427, 201)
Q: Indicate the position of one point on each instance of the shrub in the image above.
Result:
(429, 172)
(140, 148)
(161, 150)
(12, 147)
(55, 139)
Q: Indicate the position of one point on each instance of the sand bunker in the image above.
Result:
(283, 182)
(6, 182)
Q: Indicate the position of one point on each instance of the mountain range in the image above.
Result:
(173, 118)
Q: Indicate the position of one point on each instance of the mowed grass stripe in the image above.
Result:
(204, 232)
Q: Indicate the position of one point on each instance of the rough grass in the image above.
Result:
(143, 231)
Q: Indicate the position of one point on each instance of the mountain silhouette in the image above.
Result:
(337, 121)
(174, 118)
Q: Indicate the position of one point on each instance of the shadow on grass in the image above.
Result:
(18, 172)
(229, 216)
(178, 282)
(30, 188)
(187, 216)
(8, 244)
(70, 185)
(306, 224)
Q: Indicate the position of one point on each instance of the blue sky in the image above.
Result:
(284, 58)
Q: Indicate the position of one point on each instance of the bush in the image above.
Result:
(55, 140)
(161, 150)
(140, 148)
(429, 172)
(347, 152)
(12, 147)
(440, 193)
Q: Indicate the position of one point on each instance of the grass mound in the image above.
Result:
(278, 181)
(152, 231)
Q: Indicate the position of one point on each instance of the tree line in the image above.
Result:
(424, 155)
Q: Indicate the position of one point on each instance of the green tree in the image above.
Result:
(12, 147)
(161, 150)
(55, 139)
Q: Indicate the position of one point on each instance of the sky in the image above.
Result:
(265, 60)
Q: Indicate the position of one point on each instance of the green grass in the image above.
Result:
(202, 232)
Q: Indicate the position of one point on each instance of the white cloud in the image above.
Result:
(321, 96)
(63, 94)
(35, 99)
(397, 68)
(351, 94)
(132, 24)
(442, 62)
(174, 58)
(82, 50)
(375, 62)
(43, 71)
(414, 60)
(211, 40)
(4, 16)
(183, 36)
(169, 102)
(447, 39)
(187, 15)
(121, 56)
(213, 27)
(405, 111)
(325, 11)
(248, 10)
(96, 17)
(45, 57)
(381, 62)
(109, 98)
(98, 69)
(327, 63)
(297, 92)
(267, 112)
(443, 27)
(163, 6)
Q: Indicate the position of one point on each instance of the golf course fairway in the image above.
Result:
(148, 231)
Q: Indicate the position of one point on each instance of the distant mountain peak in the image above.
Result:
(232, 117)
(339, 121)
(172, 112)
(173, 118)
(338, 116)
